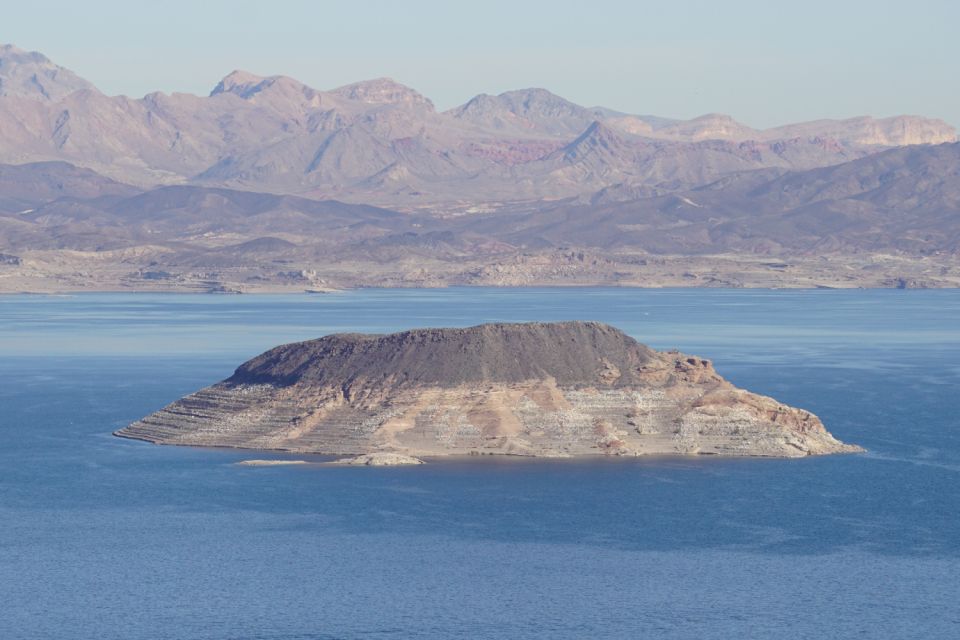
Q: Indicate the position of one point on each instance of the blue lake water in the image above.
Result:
(108, 538)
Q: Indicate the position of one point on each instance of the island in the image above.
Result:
(558, 389)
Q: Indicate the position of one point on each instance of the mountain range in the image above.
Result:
(267, 183)
(381, 142)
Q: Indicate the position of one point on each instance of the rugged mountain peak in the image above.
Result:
(868, 131)
(248, 86)
(597, 136)
(480, 103)
(488, 111)
(524, 103)
(540, 102)
(887, 132)
(383, 91)
(910, 130)
(597, 128)
(239, 82)
(711, 126)
(538, 389)
(30, 74)
(525, 110)
(280, 94)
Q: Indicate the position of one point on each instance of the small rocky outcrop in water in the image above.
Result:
(269, 463)
(379, 460)
(536, 389)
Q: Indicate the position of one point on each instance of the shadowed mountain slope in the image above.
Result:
(903, 200)
(30, 185)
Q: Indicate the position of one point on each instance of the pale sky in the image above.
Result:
(764, 62)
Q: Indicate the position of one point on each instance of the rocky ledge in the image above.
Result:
(534, 389)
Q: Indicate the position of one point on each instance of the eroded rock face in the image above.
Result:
(536, 389)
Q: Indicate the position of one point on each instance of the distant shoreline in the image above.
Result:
(64, 272)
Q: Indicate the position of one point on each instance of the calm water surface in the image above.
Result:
(107, 538)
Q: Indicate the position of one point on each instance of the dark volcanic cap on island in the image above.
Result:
(536, 389)
(568, 352)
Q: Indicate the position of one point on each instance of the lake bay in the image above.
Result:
(106, 538)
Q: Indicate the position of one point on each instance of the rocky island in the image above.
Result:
(532, 389)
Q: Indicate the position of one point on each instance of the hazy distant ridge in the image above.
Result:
(380, 141)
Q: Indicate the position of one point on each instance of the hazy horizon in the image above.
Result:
(763, 65)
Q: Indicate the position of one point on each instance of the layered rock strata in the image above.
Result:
(535, 389)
